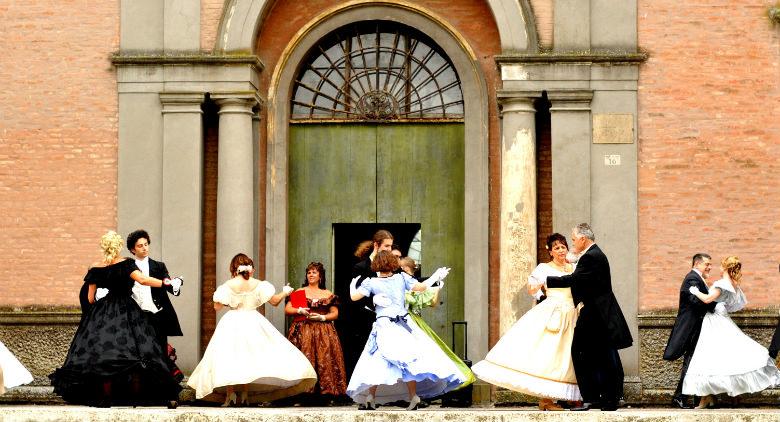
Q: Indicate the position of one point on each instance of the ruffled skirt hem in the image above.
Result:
(525, 383)
(733, 385)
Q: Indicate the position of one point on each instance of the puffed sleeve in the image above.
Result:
(366, 287)
(409, 281)
(264, 291)
(223, 295)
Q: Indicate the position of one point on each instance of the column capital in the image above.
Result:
(570, 100)
(236, 102)
(182, 102)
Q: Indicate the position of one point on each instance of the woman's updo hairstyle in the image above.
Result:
(241, 264)
(385, 262)
(733, 268)
(555, 237)
(111, 245)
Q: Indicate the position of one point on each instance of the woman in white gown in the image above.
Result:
(12, 372)
(726, 360)
(247, 351)
(534, 356)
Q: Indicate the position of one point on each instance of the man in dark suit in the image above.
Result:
(687, 325)
(601, 328)
(154, 299)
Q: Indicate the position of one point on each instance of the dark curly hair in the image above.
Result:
(133, 238)
(385, 262)
(555, 237)
(320, 269)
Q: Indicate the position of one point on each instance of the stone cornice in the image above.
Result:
(573, 57)
(750, 318)
(122, 59)
(40, 316)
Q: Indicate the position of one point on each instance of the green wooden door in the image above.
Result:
(369, 173)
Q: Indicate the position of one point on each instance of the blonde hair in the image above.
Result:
(111, 245)
(408, 262)
(733, 268)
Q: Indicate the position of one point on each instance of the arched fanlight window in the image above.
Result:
(376, 70)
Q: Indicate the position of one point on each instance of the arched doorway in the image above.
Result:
(377, 141)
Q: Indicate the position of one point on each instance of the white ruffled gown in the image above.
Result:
(725, 359)
(247, 349)
(398, 351)
(534, 356)
(12, 372)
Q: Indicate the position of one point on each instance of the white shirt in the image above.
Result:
(143, 294)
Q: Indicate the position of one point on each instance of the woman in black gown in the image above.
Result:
(114, 358)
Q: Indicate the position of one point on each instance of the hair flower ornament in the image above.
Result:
(244, 269)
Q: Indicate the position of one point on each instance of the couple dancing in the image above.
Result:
(553, 353)
(717, 356)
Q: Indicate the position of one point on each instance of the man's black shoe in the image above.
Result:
(609, 407)
(680, 403)
(585, 406)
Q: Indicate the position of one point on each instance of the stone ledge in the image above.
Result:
(765, 317)
(344, 414)
(125, 59)
(573, 57)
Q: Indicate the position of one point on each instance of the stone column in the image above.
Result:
(181, 207)
(570, 150)
(518, 207)
(236, 195)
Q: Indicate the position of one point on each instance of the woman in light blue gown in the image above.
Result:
(399, 361)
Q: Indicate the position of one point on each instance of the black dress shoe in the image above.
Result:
(680, 403)
(608, 407)
(584, 407)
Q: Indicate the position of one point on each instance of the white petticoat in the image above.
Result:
(728, 361)
(14, 373)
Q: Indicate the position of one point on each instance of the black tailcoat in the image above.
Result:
(591, 284)
(690, 314)
(166, 321)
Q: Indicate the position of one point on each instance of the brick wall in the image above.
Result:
(58, 145)
(709, 144)
(210, 14)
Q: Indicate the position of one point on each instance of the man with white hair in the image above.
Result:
(601, 328)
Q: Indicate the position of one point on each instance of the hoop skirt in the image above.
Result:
(12, 372)
(725, 359)
(534, 356)
(247, 349)
(415, 302)
(398, 351)
(115, 342)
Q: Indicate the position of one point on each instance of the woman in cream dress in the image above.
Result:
(534, 356)
(246, 351)
(12, 372)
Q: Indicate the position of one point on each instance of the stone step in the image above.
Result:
(46, 413)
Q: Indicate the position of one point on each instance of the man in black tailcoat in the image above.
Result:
(154, 299)
(601, 328)
(687, 325)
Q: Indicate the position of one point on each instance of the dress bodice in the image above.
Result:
(732, 298)
(393, 288)
(249, 300)
(539, 276)
(115, 277)
(322, 305)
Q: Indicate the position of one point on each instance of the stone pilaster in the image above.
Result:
(236, 194)
(518, 207)
(182, 210)
(571, 139)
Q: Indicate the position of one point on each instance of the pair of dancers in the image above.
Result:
(717, 356)
(559, 351)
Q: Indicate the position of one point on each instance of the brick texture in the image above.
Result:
(709, 143)
(58, 145)
(210, 14)
(543, 15)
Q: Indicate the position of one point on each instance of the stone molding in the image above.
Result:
(40, 316)
(182, 102)
(123, 59)
(765, 317)
(577, 57)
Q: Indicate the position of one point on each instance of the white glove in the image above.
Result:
(176, 284)
(694, 290)
(437, 275)
(353, 286)
(382, 301)
(303, 311)
(100, 293)
(287, 290)
(317, 317)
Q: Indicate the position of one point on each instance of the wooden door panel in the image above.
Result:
(420, 179)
